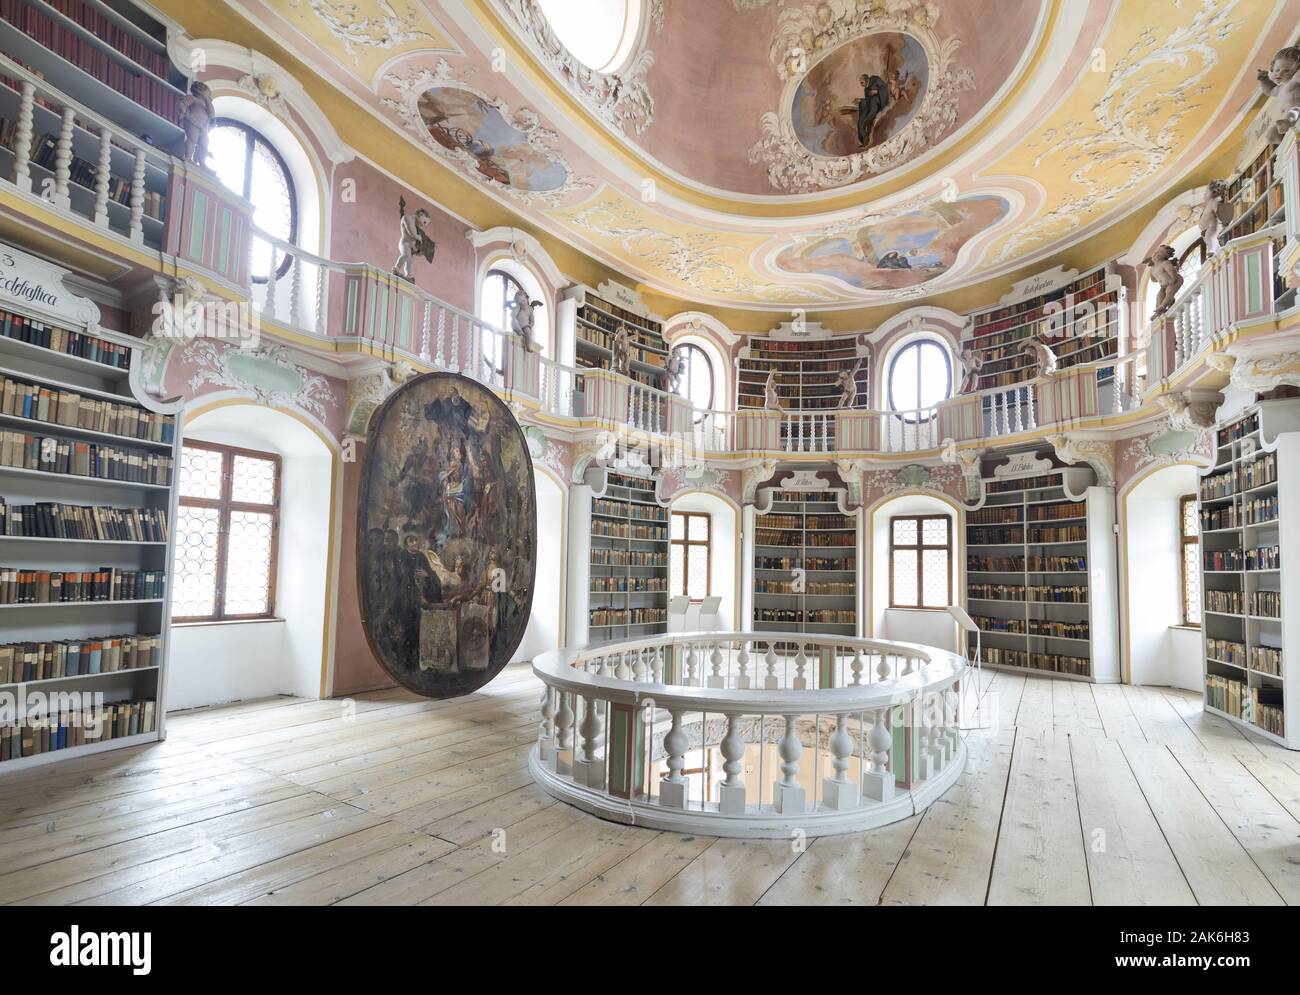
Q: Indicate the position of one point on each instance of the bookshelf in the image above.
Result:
(107, 54)
(807, 371)
(1040, 568)
(1250, 621)
(806, 530)
(87, 504)
(1080, 336)
(598, 314)
(627, 595)
(1255, 194)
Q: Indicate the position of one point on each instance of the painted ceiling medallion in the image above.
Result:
(476, 132)
(390, 27)
(620, 99)
(867, 89)
(910, 248)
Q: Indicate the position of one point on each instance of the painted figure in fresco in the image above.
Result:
(457, 485)
(894, 260)
(1045, 358)
(197, 115)
(522, 318)
(849, 387)
(1215, 212)
(412, 241)
(1164, 271)
(971, 364)
(875, 98)
(771, 399)
(1281, 81)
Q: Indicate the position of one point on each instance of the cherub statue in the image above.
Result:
(1281, 81)
(412, 241)
(621, 360)
(771, 399)
(1164, 271)
(1215, 212)
(971, 364)
(522, 318)
(197, 114)
(672, 375)
(1042, 352)
(849, 387)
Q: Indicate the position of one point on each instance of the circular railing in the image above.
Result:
(750, 734)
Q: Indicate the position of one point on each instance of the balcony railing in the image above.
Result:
(817, 734)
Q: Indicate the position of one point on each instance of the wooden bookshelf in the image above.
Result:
(1080, 336)
(1040, 563)
(1255, 194)
(807, 371)
(806, 531)
(627, 594)
(1249, 552)
(53, 637)
(598, 318)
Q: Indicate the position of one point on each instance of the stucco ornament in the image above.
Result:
(366, 393)
(806, 33)
(264, 89)
(1258, 373)
(599, 448)
(852, 473)
(268, 375)
(944, 478)
(410, 86)
(969, 462)
(1169, 444)
(393, 25)
(751, 477)
(1189, 414)
(620, 99)
(1098, 454)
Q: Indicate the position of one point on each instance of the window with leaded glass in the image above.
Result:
(1189, 535)
(920, 561)
(227, 533)
(690, 550)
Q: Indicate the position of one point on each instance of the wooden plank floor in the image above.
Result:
(1072, 794)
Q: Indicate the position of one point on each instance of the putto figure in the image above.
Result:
(412, 241)
(1281, 81)
(621, 358)
(771, 399)
(1164, 271)
(522, 319)
(849, 387)
(197, 114)
(971, 364)
(1045, 358)
(1215, 212)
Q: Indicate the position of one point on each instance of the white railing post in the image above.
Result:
(673, 788)
(742, 665)
(731, 793)
(63, 160)
(23, 138)
(137, 198)
(588, 769)
(771, 680)
(295, 292)
(563, 735)
(838, 792)
(878, 780)
(546, 730)
(102, 170)
(787, 795)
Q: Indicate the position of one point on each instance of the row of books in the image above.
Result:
(1058, 630)
(1261, 706)
(1060, 533)
(1055, 512)
(800, 616)
(1077, 595)
(594, 307)
(72, 410)
(41, 661)
(1266, 604)
(985, 321)
(991, 623)
(106, 30)
(820, 589)
(1223, 602)
(147, 91)
(1257, 473)
(1260, 558)
(625, 530)
(1239, 429)
(82, 172)
(1100, 349)
(997, 515)
(644, 352)
(605, 557)
(1031, 564)
(1067, 332)
(629, 585)
(604, 617)
(801, 370)
(1059, 663)
(51, 520)
(995, 537)
(759, 346)
(77, 727)
(63, 340)
(624, 509)
(20, 585)
(805, 563)
(1040, 483)
(1226, 651)
(1266, 660)
(83, 459)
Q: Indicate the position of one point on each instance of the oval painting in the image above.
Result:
(861, 94)
(446, 535)
(458, 119)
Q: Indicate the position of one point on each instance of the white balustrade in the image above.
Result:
(819, 740)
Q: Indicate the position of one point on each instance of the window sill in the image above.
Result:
(1186, 628)
(226, 621)
(909, 608)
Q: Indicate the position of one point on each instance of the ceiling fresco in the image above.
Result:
(828, 154)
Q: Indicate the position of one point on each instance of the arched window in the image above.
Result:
(498, 297)
(695, 382)
(1191, 261)
(249, 165)
(920, 376)
(600, 33)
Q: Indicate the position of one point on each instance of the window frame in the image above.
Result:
(920, 547)
(251, 138)
(224, 506)
(686, 542)
(1184, 540)
(899, 353)
(708, 365)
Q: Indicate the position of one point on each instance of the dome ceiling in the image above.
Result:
(830, 154)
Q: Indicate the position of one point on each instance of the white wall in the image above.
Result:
(933, 628)
(544, 624)
(1158, 653)
(212, 663)
(722, 576)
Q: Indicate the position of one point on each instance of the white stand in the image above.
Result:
(879, 787)
(788, 800)
(591, 773)
(967, 624)
(731, 800)
(839, 795)
(672, 794)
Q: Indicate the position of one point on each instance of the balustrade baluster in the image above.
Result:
(63, 160)
(563, 735)
(771, 680)
(731, 793)
(716, 679)
(787, 795)
(926, 744)
(136, 227)
(692, 666)
(838, 792)
(673, 788)
(295, 291)
(103, 172)
(321, 318)
(546, 731)
(742, 665)
(800, 663)
(272, 281)
(23, 138)
(878, 780)
(590, 770)
(453, 357)
(856, 666)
